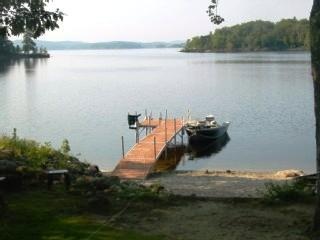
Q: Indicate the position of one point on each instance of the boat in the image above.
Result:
(207, 129)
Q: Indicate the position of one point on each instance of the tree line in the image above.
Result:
(7, 48)
(287, 34)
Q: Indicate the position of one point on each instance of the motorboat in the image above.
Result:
(207, 129)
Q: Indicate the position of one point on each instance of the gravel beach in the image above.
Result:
(217, 184)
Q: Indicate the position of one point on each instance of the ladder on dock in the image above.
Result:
(140, 160)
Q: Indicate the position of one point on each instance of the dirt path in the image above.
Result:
(225, 220)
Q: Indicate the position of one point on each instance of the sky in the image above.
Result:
(161, 20)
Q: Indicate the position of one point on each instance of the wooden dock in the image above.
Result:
(140, 160)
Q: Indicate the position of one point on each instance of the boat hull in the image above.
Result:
(207, 134)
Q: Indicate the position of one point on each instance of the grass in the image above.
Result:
(56, 215)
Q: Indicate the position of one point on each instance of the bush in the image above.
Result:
(36, 156)
(26, 160)
(287, 192)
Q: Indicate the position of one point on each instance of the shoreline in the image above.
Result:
(243, 51)
(219, 184)
(24, 56)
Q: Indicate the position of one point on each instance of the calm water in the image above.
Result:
(85, 96)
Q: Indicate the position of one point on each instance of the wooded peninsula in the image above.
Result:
(287, 34)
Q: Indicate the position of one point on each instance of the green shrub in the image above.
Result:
(36, 156)
(287, 192)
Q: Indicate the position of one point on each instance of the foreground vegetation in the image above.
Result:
(40, 214)
(288, 34)
(103, 207)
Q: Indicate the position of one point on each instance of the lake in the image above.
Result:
(85, 96)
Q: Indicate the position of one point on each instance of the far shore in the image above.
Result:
(242, 50)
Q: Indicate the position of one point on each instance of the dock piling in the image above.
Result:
(166, 131)
(175, 132)
(182, 131)
(155, 148)
(122, 143)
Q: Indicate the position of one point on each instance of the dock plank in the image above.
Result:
(141, 158)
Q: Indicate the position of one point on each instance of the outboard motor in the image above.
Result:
(133, 121)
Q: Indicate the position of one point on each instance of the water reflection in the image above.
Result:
(5, 65)
(201, 150)
(170, 160)
(30, 65)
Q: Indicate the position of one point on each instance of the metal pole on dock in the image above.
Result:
(182, 131)
(146, 118)
(122, 141)
(166, 136)
(155, 148)
(165, 130)
(137, 130)
(137, 133)
(175, 132)
(175, 141)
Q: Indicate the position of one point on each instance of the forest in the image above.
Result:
(287, 34)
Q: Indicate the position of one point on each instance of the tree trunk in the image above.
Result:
(315, 59)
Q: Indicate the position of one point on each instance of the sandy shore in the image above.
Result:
(218, 184)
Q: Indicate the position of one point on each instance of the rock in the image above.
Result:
(289, 173)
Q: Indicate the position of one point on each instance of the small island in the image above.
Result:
(28, 48)
(255, 36)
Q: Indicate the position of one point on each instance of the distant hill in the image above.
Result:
(74, 45)
(288, 34)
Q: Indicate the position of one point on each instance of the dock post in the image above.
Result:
(122, 141)
(137, 130)
(165, 130)
(175, 132)
(155, 148)
(160, 118)
(166, 136)
(182, 131)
